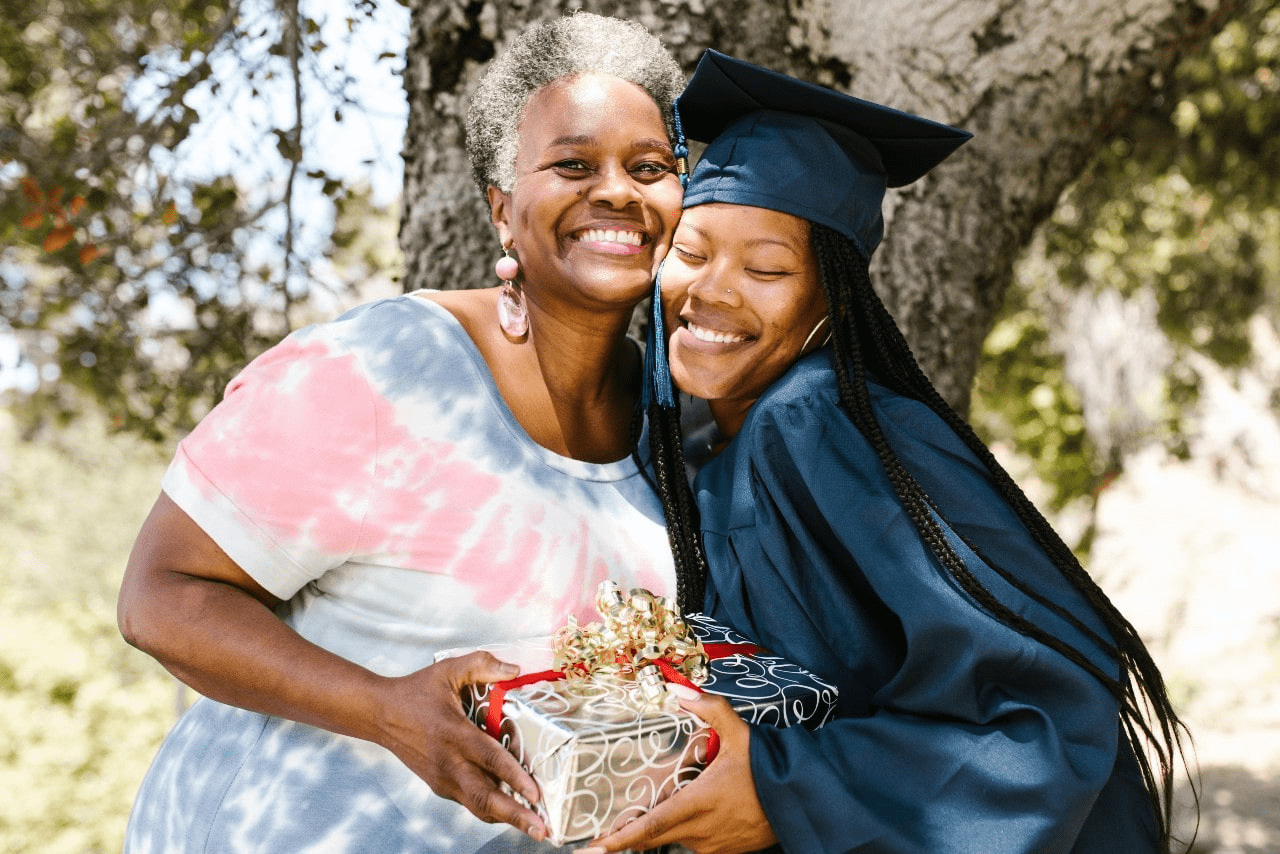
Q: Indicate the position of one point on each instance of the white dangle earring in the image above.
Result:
(512, 315)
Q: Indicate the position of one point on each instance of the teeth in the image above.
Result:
(609, 235)
(713, 337)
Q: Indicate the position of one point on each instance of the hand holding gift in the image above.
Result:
(603, 735)
(456, 761)
(718, 813)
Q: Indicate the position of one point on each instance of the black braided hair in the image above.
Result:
(671, 483)
(684, 528)
(865, 338)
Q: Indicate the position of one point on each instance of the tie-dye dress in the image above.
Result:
(368, 472)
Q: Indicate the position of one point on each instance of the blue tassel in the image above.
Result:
(657, 371)
(682, 147)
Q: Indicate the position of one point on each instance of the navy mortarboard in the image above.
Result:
(789, 145)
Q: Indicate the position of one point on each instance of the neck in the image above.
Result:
(729, 416)
(583, 377)
(579, 359)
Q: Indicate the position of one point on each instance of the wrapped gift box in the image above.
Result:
(604, 750)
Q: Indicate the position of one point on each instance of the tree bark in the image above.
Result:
(1041, 83)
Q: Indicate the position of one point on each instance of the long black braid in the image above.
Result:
(684, 530)
(865, 339)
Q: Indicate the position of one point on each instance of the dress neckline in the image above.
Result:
(578, 469)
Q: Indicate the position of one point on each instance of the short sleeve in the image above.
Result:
(279, 472)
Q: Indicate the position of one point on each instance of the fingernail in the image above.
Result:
(594, 849)
(536, 832)
(683, 692)
(509, 670)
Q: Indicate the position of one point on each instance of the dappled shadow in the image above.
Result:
(1239, 812)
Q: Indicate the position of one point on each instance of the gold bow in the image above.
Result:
(635, 631)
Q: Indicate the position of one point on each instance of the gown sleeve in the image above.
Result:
(954, 732)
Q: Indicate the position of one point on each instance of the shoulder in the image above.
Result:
(393, 322)
(799, 429)
(798, 410)
(407, 342)
(391, 351)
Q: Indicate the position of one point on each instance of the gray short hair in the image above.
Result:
(574, 44)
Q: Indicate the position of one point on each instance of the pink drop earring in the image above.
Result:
(512, 316)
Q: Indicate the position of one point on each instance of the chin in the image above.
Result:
(615, 285)
(696, 383)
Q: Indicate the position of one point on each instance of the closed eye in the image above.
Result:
(686, 255)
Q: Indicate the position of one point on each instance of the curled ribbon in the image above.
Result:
(635, 631)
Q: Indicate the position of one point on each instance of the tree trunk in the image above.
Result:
(1040, 83)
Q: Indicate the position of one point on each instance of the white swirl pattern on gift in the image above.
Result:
(603, 755)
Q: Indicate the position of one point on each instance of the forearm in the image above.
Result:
(187, 604)
(230, 647)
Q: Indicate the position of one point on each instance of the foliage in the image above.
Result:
(140, 270)
(83, 713)
(1178, 213)
(1021, 398)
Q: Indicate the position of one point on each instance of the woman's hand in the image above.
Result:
(719, 812)
(424, 725)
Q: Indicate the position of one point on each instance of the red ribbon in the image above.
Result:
(498, 692)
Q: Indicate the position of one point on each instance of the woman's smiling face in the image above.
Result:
(596, 196)
(740, 293)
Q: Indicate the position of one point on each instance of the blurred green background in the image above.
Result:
(82, 712)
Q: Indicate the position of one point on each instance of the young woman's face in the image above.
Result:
(740, 293)
(596, 196)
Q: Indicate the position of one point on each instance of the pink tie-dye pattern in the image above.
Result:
(443, 515)
(423, 526)
(500, 565)
(496, 548)
(320, 411)
(435, 510)
(428, 515)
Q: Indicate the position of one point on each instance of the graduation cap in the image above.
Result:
(784, 144)
(789, 145)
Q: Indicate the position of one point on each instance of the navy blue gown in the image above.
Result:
(954, 733)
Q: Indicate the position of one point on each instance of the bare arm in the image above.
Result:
(186, 603)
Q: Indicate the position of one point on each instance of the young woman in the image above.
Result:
(991, 698)
(434, 471)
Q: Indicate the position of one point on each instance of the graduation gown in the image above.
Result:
(954, 733)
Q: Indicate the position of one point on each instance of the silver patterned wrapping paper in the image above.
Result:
(602, 755)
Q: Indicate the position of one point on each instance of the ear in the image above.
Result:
(499, 211)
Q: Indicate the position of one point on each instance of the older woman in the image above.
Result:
(991, 699)
(434, 471)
